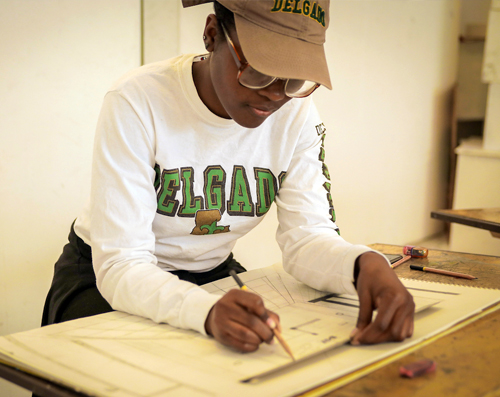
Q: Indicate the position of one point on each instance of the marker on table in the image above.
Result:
(411, 251)
(439, 271)
(275, 330)
(415, 252)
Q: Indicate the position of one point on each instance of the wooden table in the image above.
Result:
(485, 218)
(468, 359)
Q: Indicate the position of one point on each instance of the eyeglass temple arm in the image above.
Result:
(231, 45)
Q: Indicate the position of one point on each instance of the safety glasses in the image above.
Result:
(251, 78)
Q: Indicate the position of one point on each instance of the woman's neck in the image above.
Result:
(204, 87)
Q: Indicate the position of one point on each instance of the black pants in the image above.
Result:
(73, 293)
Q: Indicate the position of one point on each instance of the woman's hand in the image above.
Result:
(379, 289)
(240, 320)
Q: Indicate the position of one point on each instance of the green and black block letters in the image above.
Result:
(168, 183)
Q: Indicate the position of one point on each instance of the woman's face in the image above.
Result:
(247, 107)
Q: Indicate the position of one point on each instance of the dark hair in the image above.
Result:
(224, 16)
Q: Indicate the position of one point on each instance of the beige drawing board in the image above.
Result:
(116, 354)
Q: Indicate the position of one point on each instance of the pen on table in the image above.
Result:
(444, 272)
(275, 330)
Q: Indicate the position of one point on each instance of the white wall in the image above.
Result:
(160, 38)
(478, 160)
(471, 90)
(57, 59)
(473, 13)
(394, 66)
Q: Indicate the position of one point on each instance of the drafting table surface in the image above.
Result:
(447, 259)
(468, 360)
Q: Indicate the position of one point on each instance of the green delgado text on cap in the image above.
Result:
(282, 38)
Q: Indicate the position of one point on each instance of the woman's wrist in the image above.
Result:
(369, 258)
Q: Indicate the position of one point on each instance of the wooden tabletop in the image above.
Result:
(483, 218)
(486, 268)
(468, 360)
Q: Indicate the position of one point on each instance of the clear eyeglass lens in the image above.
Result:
(251, 78)
(299, 88)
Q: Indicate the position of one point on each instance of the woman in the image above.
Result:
(190, 153)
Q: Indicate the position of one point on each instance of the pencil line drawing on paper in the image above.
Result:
(299, 327)
(338, 299)
(430, 290)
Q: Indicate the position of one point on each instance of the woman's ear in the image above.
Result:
(210, 32)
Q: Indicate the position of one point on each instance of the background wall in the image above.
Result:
(58, 58)
(478, 104)
(393, 64)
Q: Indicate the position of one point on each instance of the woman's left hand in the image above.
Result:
(379, 289)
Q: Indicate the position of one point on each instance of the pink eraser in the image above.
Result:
(417, 368)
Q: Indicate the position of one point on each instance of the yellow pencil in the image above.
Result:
(275, 330)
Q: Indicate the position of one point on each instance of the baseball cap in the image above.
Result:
(282, 38)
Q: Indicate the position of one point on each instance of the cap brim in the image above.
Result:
(190, 3)
(282, 56)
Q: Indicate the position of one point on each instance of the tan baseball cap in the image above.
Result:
(282, 38)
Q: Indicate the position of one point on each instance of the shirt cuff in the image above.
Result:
(348, 269)
(195, 308)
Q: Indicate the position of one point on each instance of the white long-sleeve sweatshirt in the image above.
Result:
(174, 186)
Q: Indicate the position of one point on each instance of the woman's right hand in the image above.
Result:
(240, 320)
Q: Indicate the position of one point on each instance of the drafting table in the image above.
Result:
(483, 218)
(468, 358)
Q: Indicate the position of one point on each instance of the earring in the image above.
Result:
(204, 37)
(206, 46)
